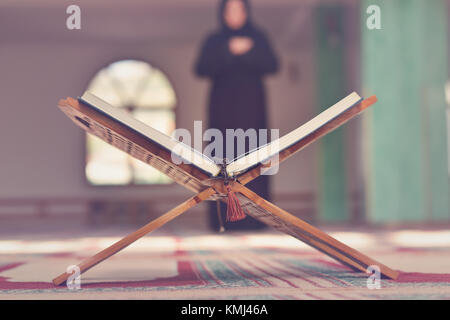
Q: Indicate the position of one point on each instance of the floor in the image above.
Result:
(191, 264)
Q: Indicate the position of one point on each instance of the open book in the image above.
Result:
(179, 161)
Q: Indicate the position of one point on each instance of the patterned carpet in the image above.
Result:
(263, 265)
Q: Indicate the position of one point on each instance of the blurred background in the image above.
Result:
(388, 167)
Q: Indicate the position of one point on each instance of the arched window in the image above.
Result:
(145, 92)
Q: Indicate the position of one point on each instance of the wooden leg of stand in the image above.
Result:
(125, 242)
(317, 238)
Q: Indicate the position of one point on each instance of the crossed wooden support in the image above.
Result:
(303, 231)
(216, 188)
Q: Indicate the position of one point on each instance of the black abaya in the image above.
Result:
(237, 98)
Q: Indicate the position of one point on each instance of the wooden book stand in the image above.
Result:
(254, 205)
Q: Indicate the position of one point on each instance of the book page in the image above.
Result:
(178, 148)
(260, 155)
(119, 141)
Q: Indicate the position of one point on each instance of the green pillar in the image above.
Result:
(405, 65)
(331, 87)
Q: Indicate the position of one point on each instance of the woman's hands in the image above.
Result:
(240, 45)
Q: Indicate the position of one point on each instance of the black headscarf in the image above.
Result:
(245, 28)
(215, 59)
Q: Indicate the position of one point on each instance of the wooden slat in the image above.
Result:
(125, 242)
(185, 174)
(252, 174)
(288, 223)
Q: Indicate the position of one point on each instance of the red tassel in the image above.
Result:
(234, 209)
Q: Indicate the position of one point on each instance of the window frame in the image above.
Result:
(174, 110)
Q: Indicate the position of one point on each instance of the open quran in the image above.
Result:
(218, 181)
(118, 128)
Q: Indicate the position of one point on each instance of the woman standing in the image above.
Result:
(236, 58)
